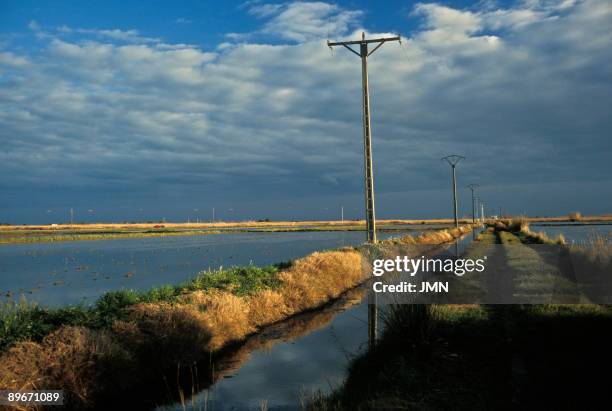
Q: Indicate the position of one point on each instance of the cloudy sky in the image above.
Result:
(123, 110)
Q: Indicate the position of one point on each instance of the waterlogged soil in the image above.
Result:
(76, 272)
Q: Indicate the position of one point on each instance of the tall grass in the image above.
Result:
(22, 321)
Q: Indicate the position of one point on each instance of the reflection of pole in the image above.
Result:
(372, 320)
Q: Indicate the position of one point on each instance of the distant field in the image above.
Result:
(10, 234)
(217, 225)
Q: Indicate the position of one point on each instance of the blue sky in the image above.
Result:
(145, 110)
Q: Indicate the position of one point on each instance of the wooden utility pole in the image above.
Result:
(367, 137)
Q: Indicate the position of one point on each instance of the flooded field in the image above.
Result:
(573, 232)
(80, 271)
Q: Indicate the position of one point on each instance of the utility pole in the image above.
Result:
(342, 213)
(367, 151)
(473, 187)
(213, 215)
(453, 160)
(367, 137)
(482, 215)
(71, 216)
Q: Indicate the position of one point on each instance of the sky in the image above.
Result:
(143, 111)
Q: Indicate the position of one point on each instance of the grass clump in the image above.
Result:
(575, 216)
(22, 321)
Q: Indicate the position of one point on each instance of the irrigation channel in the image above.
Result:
(289, 362)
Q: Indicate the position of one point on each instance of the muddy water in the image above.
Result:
(80, 271)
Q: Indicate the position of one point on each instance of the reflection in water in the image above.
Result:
(283, 365)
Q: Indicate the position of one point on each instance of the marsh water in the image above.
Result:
(80, 271)
(573, 232)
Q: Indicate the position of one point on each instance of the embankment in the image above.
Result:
(123, 346)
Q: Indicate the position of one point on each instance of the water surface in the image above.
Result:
(80, 271)
(573, 232)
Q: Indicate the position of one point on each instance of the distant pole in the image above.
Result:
(500, 212)
(342, 213)
(482, 214)
(71, 216)
(213, 215)
(367, 138)
(473, 188)
(453, 160)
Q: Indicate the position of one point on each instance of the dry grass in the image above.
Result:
(219, 225)
(597, 248)
(162, 334)
(438, 237)
(575, 216)
(69, 359)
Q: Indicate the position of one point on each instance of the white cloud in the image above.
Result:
(11, 60)
(445, 18)
(128, 36)
(537, 94)
(302, 21)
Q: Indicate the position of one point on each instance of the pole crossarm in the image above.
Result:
(453, 159)
(473, 186)
(363, 42)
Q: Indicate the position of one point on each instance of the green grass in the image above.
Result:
(23, 321)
